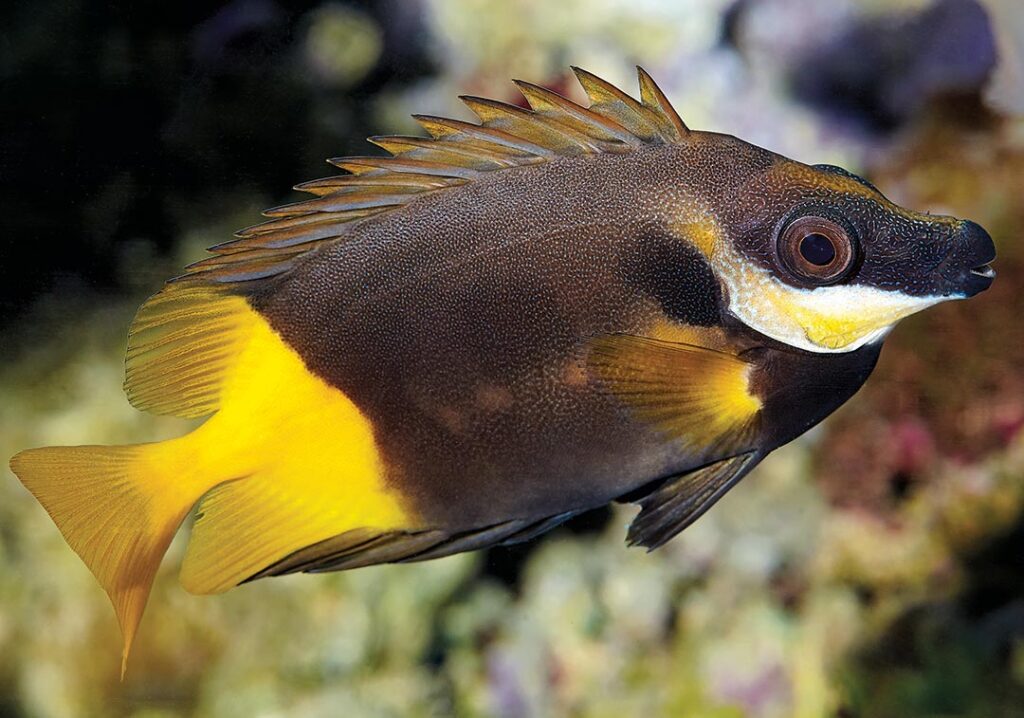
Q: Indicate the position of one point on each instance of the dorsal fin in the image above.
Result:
(456, 152)
(183, 340)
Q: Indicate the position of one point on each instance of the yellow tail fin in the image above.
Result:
(118, 508)
(289, 461)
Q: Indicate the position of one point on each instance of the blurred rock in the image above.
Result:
(1005, 92)
(343, 45)
(883, 70)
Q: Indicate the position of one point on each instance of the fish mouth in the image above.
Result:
(977, 273)
(985, 270)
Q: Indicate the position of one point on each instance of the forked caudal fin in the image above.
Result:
(118, 507)
(274, 481)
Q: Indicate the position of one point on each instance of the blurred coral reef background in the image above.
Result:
(875, 567)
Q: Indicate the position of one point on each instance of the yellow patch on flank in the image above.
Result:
(286, 461)
(298, 461)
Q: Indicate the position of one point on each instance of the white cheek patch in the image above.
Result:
(837, 318)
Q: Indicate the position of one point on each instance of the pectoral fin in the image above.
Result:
(697, 396)
(681, 500)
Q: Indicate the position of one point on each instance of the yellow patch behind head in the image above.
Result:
(705, 235)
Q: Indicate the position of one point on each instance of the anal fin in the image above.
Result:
(363, 547)
(244, 525)
(681, 500)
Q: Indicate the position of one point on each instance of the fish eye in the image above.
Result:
(816, 250)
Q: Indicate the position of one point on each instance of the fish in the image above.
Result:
(489, 330)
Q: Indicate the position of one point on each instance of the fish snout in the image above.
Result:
(968, 270)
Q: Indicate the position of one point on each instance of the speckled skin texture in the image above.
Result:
(459, 325)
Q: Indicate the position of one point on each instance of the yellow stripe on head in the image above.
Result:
(824, 319)
(799, 174)
(830, 318)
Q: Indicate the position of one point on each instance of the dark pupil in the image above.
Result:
(817, 249)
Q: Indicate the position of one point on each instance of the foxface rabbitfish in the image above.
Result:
(496, 328)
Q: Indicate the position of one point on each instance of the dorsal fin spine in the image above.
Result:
(652, 97)
(302, 220)
(530, 125)
(345, 199)
(475, 155)
(613, 103)
(560, 109)
(444, 128)
(391, 182)
(364, 164)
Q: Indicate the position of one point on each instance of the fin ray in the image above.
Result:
(362, 547)
(679, 501)
(698, 396)
(654, 99)
(180, 347)
(118, 507)
(244, 525)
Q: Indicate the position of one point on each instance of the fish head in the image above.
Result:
(817, 258)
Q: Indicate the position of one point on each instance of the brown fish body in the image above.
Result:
(460, 324)
(494, 329)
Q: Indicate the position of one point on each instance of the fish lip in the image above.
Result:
(984, 270)
(977, 273)
(977, 280)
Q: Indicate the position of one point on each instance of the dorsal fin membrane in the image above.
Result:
(566, 112)
(527, 124)
(611, 102)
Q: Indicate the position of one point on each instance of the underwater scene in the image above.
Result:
(871, 568)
